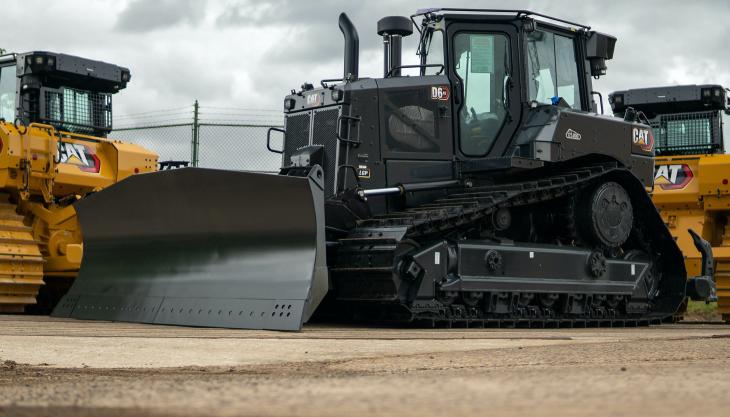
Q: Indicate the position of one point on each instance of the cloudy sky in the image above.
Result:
(246, 53)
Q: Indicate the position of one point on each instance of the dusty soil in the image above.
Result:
(59, 367)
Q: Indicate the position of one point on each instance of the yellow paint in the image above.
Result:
(701, 203)
(42, 173)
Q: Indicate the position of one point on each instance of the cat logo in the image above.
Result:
(643, 138)
(79, 155)
(672, 177)
(572, 134)
(314, 100)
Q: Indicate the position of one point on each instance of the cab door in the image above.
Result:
(483, 66)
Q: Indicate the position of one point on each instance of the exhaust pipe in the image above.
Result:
(352, 48)
(393, 29)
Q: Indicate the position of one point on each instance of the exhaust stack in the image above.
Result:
(393, 29)
(352, 48)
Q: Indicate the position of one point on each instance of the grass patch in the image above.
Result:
(701, 311)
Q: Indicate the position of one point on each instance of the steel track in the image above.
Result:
(464, 209)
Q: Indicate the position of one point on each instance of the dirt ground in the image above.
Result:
(51, 367)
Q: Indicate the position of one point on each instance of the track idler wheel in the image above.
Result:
(549, 299)
(613, 301)
(502, 219)
(471, 298)
(606, 215)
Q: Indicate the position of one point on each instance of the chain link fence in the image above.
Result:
(210, 137)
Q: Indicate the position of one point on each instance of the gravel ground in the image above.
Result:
(52, 367)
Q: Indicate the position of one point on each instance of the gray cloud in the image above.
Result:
(659, 43)
(148, 15)
(276, 12)
(246, 53)
(309, 33)
(192, 80)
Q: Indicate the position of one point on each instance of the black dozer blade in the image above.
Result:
(202, 247)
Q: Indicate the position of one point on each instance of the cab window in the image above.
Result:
(7, 92)
(482, 64)
(553, 69)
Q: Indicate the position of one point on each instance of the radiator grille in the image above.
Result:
(687, 133)
(325, 134)
(77, 110)
(297, 135)
(411, 121)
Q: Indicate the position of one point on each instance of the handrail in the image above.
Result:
(416, 66)
(519, 13)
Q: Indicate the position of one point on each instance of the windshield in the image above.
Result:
(7, 92)
(483, 67)
(553, 68)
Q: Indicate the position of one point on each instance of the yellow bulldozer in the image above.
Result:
(55, 113)
(692, 171)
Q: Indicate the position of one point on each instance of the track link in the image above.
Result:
(21, 262)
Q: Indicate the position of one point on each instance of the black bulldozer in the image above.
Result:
(479, 187)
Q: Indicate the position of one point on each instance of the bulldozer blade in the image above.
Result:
(202, 247)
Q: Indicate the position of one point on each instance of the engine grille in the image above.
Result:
(78, 110)
(325, 134)
(297, 135)
(687, 133)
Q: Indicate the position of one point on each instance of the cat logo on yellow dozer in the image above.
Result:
(672, 176)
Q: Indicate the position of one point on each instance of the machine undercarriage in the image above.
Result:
(515, 252)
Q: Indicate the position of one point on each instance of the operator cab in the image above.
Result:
(489, 85)
(71, 93)
(685, 119)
